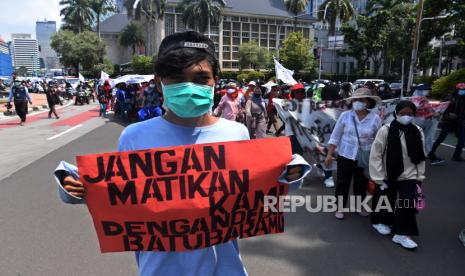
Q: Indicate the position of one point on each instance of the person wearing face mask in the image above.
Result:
(453, 120)
(230, 107)
(255, 115)
(151, 101)
(186, 68)
(353, 134)
(397, 165)
(20, 96)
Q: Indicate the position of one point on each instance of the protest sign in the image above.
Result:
(313, 122)
(184, 198)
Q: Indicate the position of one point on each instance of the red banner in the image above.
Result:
(184, 198)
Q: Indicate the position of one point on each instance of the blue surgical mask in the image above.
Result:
(405, 120)
(357, 106)
(461, 93)
(188, 99)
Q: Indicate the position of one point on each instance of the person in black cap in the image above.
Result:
(186, 69)
(20, 95)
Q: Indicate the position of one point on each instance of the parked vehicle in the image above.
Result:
(361, 82)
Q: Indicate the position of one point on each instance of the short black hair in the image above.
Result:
(403, 104)
(182, 50)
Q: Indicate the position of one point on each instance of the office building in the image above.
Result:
(44, 32)
(25, 52)
(265, 21)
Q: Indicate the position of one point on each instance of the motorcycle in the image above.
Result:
(81, 98)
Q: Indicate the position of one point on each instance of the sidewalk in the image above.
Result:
(39, 101)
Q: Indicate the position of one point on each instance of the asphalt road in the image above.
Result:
(42, 236)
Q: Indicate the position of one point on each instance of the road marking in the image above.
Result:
(7, 117)
(64, 132)
(450, 146)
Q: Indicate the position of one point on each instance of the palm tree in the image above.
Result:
(382, 5)
(77, 14)
(132, 36)
(331, 10)
(199, 14)
(295, 7)
(148, 13)
(100, 8)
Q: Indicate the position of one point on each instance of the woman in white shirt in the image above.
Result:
(397, 165)
(354, 132)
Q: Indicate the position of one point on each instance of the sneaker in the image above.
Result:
(329, 182)
(21, 124)
(436, 161)
(269, 132)
(404, 241)
(339, 215)
(383, 229)
(458, 159)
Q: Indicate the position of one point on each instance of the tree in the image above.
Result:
(148, 13)
(83, 49)
(78, 15)
(332, 10)
(296, 7)
(143, 64)
(101, 8)
(132, 36)
(251, 55)
(199, 14)
(107, 66)
(21, 71)
(296, 53)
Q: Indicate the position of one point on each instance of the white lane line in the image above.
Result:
(64, 132)
(450, 146)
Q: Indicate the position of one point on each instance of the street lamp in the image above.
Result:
(416, 41)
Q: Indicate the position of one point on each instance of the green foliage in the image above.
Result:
(132, 36)
(332, 10)
(242, 77)
(228, 75)
(425, 79)
(106, 66)
(21, 71)
(198, 13)
(77, 15)
(446, 85)
(253, 56)
(296, 7)
(85, 49)
(143, 65)
(296, 53)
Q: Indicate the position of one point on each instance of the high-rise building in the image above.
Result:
(6, 68)
(25, 52)
(44, 32)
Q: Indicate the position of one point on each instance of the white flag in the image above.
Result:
(104, 76)
(81, 78)
(283, 74)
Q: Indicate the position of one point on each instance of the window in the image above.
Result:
(264, 28)
(254, 27)
(273, 29)
(226, 64)
(245, 40)
(235, 18)
(236, 34)
(235, 56)
(344, 68)
(236, 26)
(272, 36)
(226, 25)
(253, 19)
(245, 27)
(226, 40)
(226, 48)
(244, 19)
(236, 41)
(271, 21)
(263, 43)
(351, 67)
(262, 20)
(272, 43)
(226, 55)
(245, 34)
(235, 65)
(226, 33)
(235, 48)
(254, 35)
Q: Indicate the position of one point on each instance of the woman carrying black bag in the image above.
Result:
(353, 135)
(397, 165)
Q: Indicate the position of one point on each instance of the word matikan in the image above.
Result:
(163, 176)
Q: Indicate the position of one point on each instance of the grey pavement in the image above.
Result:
(42, 236)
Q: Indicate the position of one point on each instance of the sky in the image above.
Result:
(20, 16)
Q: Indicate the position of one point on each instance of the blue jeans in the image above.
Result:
(103, 109)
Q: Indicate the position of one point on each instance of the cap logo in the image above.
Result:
(195, 45)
